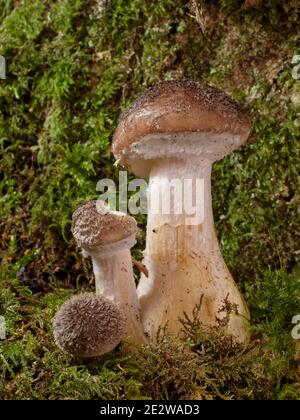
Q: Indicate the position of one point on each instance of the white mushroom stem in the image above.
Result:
(184, 261)
(112, 266)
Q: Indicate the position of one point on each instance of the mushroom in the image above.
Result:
(88, 325)
(107, 236)
(175, 131)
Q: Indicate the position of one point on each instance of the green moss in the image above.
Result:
(203, 366)
(72, 67)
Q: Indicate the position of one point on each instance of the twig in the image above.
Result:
(197, 8)
(140, 266)
(251, 3)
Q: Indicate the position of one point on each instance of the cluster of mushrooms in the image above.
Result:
(176, 129)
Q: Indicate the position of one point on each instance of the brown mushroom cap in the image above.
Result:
(88, 325)
(178, 112)
(92, 227)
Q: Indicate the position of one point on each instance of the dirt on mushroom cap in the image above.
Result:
(91, 227)
(180, 106)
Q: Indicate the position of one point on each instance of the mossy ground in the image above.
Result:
(72, 67)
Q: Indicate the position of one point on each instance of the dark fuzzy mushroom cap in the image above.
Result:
(90, 227)
(182, 106)
(88, 325)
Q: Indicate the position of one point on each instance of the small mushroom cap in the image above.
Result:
(88, 325)
(176, 117)
(94, 225)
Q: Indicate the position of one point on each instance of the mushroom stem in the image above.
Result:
(114, 279)
(184, 260)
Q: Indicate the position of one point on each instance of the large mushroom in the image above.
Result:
(175, 131)
(107, 236)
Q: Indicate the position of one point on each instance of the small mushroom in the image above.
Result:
(107, 236)
(88, 325)
(176, 130)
